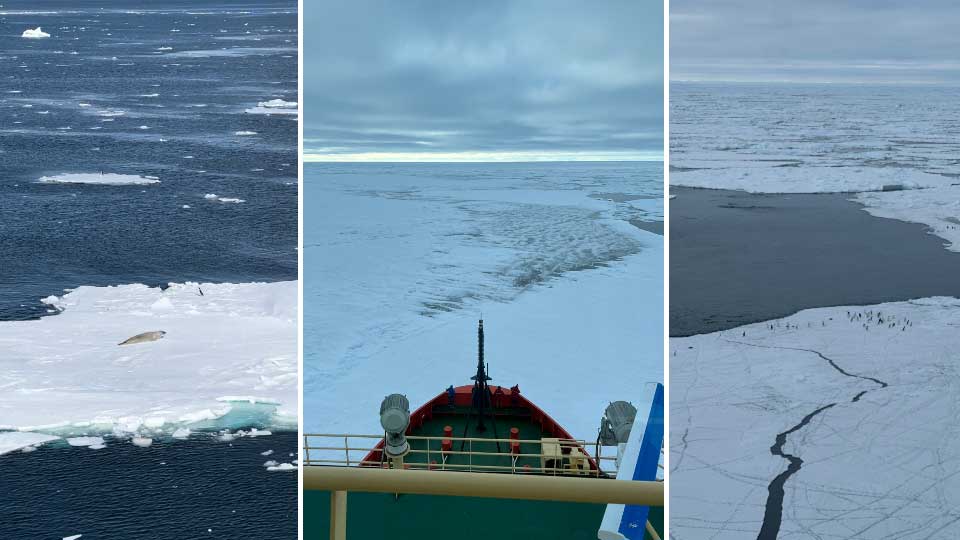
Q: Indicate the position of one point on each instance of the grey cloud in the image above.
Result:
(483, 76)
(842, 41)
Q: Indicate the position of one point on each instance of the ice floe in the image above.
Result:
(274, 106)
(865, 396)
(94, 443)
(215, 197)
(808, 179)
(34, 33)
(111, 179)
(17, 440)
(65, 375)
(142, 442)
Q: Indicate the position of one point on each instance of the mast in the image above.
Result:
(481, 392)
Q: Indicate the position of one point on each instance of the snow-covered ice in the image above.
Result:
(65, 374)
(938, 209)
(571, 293)
(111, 179)
(17, 440)
(34, 33)
(808, 179)
(880, 460)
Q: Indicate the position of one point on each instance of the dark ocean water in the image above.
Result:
(201, 488)
(738, 258)
(154, 89)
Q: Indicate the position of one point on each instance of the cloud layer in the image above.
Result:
(540, 79)
(818, 40)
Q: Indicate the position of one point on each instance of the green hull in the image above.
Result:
(377, 516)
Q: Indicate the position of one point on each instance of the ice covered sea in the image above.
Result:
(831, 422)
(402, 259)
(147, 183)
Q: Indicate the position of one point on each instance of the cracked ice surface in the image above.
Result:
(885, 466)
(66, 375)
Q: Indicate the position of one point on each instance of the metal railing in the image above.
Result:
(566, 456)
(340, 480)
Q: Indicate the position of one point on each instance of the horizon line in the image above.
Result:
(478, 157)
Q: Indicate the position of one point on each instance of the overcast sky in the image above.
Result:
(815, 40)
(492, 80)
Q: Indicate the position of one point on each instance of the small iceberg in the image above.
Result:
(34, 33)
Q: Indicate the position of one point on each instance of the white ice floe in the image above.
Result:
(281, 466)
(807, 179)
(142, 442)
(17, 440)
(266, 453)
(244, 133)
(274, 106)
(881, 456)
(34, 33)
(111, 179)
(938, 209)
(181, 433)
(215, 197)
(74, 537)
(65, 374)
(94, 443)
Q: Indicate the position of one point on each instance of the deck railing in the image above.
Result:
(349, 450)
(340, 480)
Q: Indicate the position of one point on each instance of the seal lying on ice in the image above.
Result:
(144, 337)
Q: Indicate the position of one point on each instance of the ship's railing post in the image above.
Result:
(338, 515)
(346, 448)
(306, 448)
